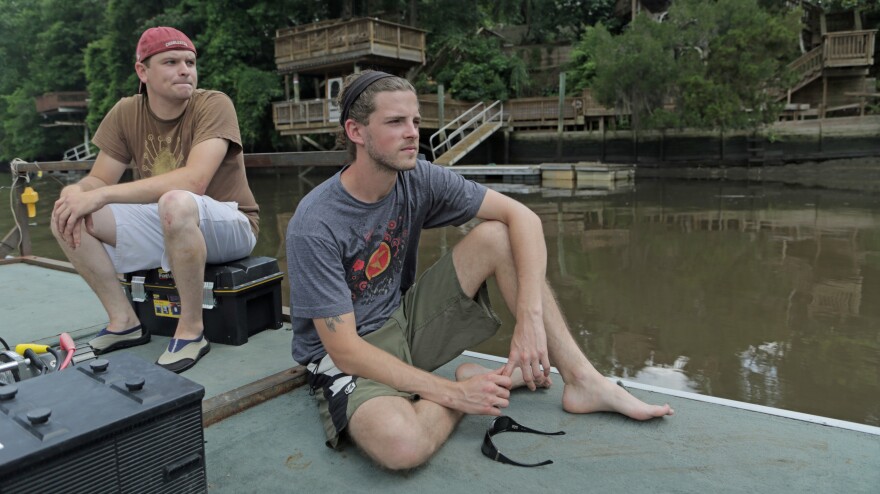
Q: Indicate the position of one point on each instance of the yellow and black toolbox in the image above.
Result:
(240, 298)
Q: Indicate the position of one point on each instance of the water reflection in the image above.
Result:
(749, 293)
(760, 293)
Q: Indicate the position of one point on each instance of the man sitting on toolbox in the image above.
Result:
(189, 204)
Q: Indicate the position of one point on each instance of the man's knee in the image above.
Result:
(178, 209)
(403, 450)
(396, 441)
(493, 238)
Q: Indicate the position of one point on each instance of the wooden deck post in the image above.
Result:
(560, 119)
(21, 216)
(440, 106)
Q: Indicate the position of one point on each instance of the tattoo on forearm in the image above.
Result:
(331, 323)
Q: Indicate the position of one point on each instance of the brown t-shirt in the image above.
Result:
(132, 133)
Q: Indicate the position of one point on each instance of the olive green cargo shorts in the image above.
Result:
(435, 322)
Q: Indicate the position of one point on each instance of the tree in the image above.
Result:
(721, 63)
(109, 59)
(476, 69)
(41, 51)
(634, 72)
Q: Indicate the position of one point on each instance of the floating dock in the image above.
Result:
(556, 175)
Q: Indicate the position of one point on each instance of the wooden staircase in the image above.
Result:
(840, 55)
(464, 146)
(471, 128)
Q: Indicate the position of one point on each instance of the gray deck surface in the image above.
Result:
(278, 446)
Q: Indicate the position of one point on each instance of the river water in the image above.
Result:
(762, 293)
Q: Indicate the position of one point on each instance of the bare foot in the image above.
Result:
(469, 370)
(605, 396)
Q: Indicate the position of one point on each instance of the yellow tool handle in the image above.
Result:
(20, 348)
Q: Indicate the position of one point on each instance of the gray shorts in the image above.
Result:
(435, 322)
(140, 243)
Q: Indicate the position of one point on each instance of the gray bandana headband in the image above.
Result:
(354, 91)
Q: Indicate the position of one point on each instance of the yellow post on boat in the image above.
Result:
(21, 347)
(30, 197)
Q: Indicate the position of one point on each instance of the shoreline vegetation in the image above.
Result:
(694, 64)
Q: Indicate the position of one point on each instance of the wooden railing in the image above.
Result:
(358, 36)
(840, 49)
(542, 111)
(315, 114)
(522, 112)
(851, 48)
(808, 64)
(429, 109)
(304, 114)
(67, 99)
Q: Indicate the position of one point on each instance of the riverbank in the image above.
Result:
(856, 174)
(782, 143)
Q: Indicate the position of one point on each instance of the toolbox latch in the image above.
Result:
(208, 295)
(138, 294)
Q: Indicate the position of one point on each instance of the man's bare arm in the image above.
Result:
(528, 349)
(202, 163)
(101, 186)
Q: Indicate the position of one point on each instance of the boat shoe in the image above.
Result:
(107, 341)
(183, 354)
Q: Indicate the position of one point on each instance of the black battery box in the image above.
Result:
(119, 424)
(240, 298)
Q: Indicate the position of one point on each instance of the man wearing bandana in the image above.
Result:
(370, 333)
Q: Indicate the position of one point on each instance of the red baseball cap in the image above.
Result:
(158, 39)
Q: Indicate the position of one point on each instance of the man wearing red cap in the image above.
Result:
(189, 203)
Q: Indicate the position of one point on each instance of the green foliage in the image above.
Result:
(716, 64)
(22, 135)
(633, 72)
(109, 59)
(254, 91)
(713, 58)
(40, 52)
(477, 69)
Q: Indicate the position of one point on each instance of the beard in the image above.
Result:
(388, 162)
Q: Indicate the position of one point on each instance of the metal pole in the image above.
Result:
(560, 123)
(21, 216)
(561, 120)
(441, 99)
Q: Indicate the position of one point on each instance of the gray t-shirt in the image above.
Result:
(345, 255)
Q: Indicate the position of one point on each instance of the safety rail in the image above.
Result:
(476, 116)
(853, 48)
(808, 64)
(79, 153)
(314, 45)
(838, 50)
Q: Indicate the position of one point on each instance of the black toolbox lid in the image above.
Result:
(236, 274)
(54, 413)
(233, 275)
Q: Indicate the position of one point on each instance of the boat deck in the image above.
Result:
(278, 445)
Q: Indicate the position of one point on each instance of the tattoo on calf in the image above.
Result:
(331, 322)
